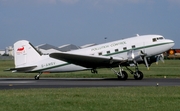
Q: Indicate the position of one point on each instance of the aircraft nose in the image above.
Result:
(171, 43)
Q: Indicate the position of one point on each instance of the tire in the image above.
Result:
(36, 77)
(124, 76)
(140, 77)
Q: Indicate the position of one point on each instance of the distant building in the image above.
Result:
(9, 51)
(68, 47)
(88, 45)
(2, 52)
(47, 48)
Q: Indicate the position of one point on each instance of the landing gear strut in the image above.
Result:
(138, 75)
(37, 76)
(122, 75)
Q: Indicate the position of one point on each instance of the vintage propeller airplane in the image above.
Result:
(132, 51)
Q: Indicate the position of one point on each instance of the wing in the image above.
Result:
(88, 61)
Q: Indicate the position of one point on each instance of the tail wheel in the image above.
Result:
(36, 77)
(124, 76)
(139, 75)
(94, 71)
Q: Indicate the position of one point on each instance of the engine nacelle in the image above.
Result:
(135, 56)
(156, 58)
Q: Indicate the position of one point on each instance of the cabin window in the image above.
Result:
(100, 53)
(154, 39)
(133, 46)
(108, 52)
(116, 50)
(124, 48)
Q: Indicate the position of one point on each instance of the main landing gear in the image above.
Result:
(122, 75)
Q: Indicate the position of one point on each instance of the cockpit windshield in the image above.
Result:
(158, 38)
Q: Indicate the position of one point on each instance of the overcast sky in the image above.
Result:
(79, 22)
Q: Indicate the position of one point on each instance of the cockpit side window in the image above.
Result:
(154, 39)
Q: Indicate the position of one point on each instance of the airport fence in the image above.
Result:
(6, 58)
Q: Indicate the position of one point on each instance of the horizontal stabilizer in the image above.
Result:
(21, 69)
(89, 61)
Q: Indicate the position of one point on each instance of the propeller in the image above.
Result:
(146, 63)
(145, 59)
(160, 57)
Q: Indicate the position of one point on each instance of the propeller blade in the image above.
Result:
(160, 57)
(146, 63)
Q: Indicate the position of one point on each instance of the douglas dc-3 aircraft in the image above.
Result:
(132, 51)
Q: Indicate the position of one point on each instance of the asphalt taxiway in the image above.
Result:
(21, 83)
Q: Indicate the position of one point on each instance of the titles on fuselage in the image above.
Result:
(48, 64)
(109, 45)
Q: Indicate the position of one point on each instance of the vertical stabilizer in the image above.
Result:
(25, 53)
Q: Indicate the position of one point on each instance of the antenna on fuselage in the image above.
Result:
(137, 35)
(105, 38)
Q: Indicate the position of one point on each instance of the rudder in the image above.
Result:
(25, 53)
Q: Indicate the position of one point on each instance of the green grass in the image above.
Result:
(171, 68)
(92, 99)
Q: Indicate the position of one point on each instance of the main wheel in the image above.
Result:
(124, 76)
(36, 77)
(139, 75)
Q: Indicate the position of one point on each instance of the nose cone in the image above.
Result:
(171, 43)
(168, 44)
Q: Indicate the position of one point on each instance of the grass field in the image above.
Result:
(95, 99)
(171, 68)
(92, 99)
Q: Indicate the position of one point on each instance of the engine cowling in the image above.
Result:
(156, 58)
(135, 56)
